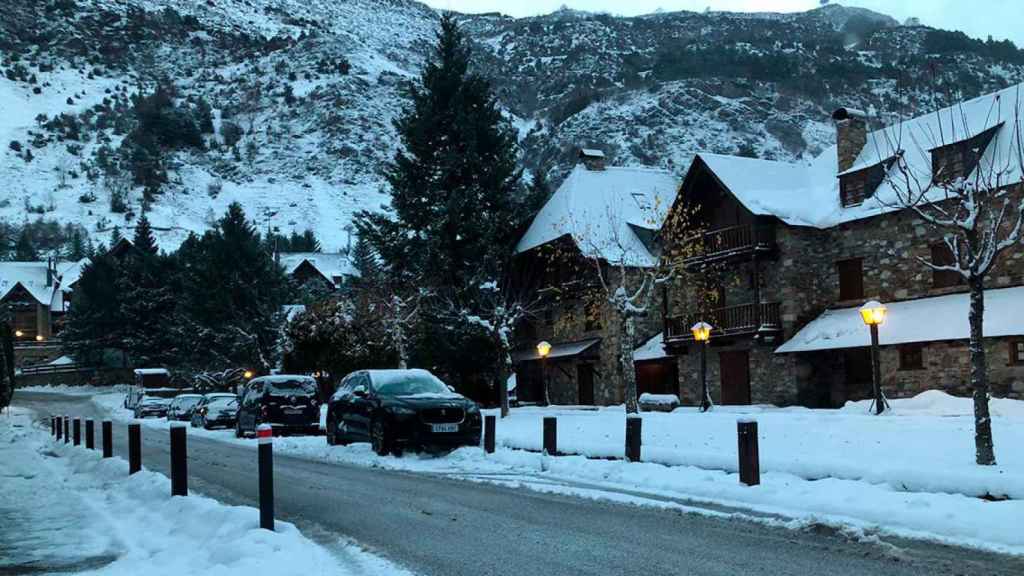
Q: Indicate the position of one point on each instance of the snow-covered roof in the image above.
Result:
(924, 320)
(150, 371)
(653, 349)
(32, 277)
(592, 153)
(559, 350)
(599, 208)
(331, 265)
(807, 193)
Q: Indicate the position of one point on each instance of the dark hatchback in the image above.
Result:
(397, 410)
(181, 407)
(287, 403)
(217, 412)
(151, 406)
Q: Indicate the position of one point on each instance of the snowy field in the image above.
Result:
(906, 473)
(77, 513)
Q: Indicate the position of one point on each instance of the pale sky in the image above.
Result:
(978, 18)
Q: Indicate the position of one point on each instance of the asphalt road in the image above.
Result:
(437, 525)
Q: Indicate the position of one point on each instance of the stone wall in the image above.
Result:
(773, 377)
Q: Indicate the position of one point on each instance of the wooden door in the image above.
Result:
(734, 367)
(585, 381)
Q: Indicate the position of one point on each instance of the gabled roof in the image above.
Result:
(598, 209)
(807, 193)
(32, 277)
(330, 265)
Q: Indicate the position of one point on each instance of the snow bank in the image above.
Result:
(70, 390)
(130, 524)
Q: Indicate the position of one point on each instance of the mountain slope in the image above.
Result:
(314, 85)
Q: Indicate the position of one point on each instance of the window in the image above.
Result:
(943, 256)
(851, 279)
(852, 187)
(911, 357)
(1017, 352)
(959, 159)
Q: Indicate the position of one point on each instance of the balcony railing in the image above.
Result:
(737, 320)
(734, 240)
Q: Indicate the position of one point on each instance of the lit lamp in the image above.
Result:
(543, 349)
(873, 314)
(18, 333)
(702, 334)
(39, 338)
(248, 374)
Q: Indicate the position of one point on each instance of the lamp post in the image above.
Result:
(873, 313)
(543, 349)
(702, 334)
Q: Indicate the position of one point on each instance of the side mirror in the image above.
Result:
(359, 391)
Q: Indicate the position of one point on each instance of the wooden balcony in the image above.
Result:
(740, 320)
(733, 241)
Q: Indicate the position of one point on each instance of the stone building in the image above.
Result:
(801, 246)
(599, 216)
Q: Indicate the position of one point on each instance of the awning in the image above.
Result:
(924, 320)
(559, 350)
(653, 349)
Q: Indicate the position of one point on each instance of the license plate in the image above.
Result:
(293, 410)
(444, 427)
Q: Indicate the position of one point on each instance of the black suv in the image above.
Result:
(288, 403)
(399, 409)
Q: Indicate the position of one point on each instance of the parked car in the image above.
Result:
(194, 419)
(396, 410)
(220, 412)
(288, 403)
(181, 407)
(151, 406)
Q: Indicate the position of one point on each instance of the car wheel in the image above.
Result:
(379, 439)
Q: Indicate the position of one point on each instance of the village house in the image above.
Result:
(802, 246)
(36, 295)
(599, 214)
(316, 271)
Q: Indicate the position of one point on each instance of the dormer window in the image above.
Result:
(958, 160)
(859, 185)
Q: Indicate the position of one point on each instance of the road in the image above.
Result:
(442, 526)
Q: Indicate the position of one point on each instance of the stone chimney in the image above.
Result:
(49, 272)
(851, 135)
(592, 158)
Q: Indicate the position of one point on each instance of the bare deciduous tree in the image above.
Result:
(960, 172)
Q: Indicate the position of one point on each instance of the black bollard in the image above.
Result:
(67, 430)
(108, 439)
(77, 430)
(489, 426)
(60, 428)
(90, 435)
(551, 435)
(134, 448)
(179, 461)
(266, 469)
(633, 435)
(750, 464)
(53, 426)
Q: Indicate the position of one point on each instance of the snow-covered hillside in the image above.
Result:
(311, 87)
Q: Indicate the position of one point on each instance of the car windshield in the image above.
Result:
(154, 400)
(223, 403)
(409, 384)
(189, 402)
(288, 387)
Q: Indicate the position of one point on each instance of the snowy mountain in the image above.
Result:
(301, 94)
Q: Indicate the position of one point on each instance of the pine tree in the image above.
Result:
(77, 248)
(24, 248)
(144, 241)
(454, 185)
(115, 236)
(94, 322)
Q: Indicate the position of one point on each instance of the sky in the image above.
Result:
(979, 18)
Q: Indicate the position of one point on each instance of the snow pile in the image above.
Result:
(81, 510)
(70, 390)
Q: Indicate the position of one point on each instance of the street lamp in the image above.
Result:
(702, 334)
(247, 374)
(39, 338)
(873, 313)
(543, 349)
(18, 333)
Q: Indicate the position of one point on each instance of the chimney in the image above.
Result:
(49, 272)
(592, 158)
(851, 135)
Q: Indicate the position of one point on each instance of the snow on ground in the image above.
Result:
(77, 513)
(908, 473)
(70, 390)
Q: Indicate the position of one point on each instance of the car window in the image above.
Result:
(400, 383)
(296, 386)
(223, 402)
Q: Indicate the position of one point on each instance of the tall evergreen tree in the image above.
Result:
(94, 323)
(454, 185)
(76, 246)
(115, 236)
(144, 241)
(24, 248)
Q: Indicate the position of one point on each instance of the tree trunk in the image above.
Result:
(627, 343)
(984, 453)
(503, 376)
(398, 333)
